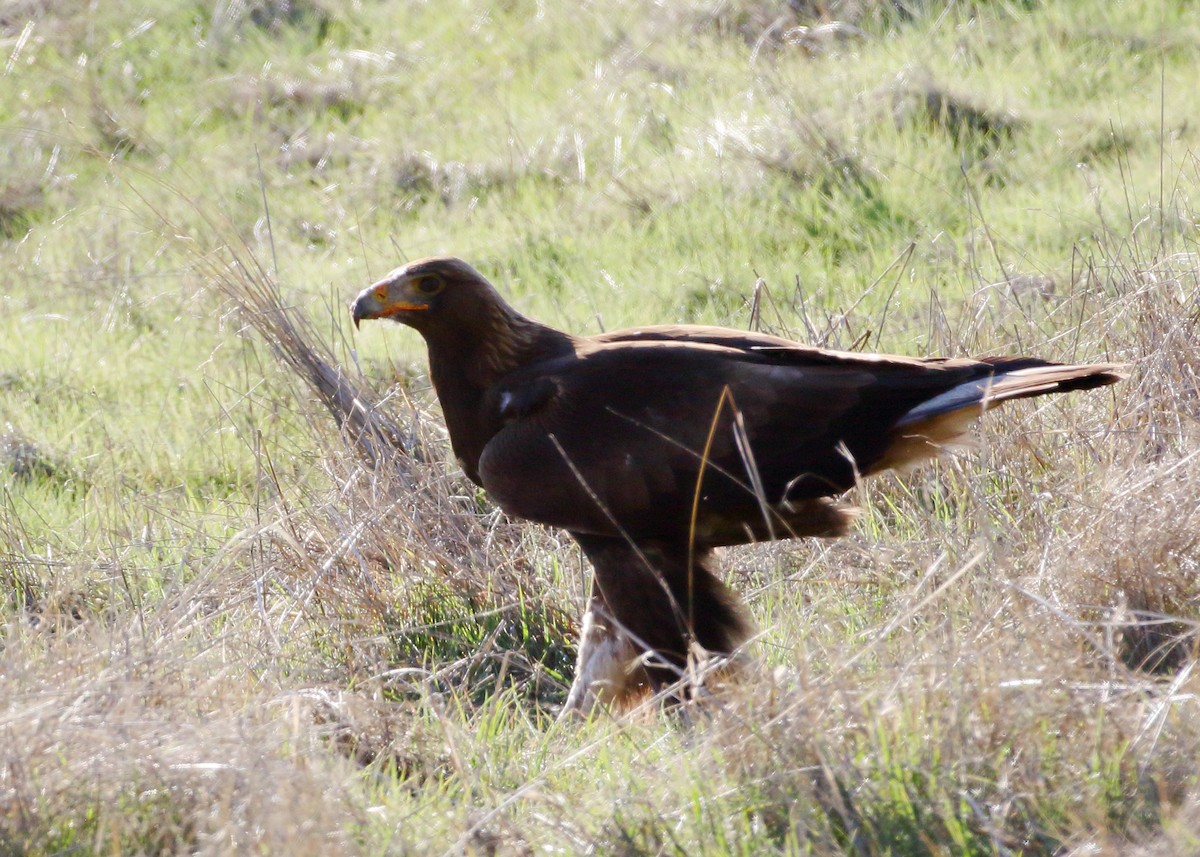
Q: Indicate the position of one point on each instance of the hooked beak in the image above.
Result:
(377, 301)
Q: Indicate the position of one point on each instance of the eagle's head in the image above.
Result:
(427, 294)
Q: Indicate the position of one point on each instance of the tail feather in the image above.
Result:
(945, 420)
(1013, 378)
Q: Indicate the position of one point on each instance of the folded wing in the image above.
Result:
(725, 437)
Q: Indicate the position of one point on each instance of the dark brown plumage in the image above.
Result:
(655, 445)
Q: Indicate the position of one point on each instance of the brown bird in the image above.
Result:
(653, 446)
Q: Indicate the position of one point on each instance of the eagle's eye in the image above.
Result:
(428, 285)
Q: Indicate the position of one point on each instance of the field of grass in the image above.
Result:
(223, 630)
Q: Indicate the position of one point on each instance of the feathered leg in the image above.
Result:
(606, 672)
(648, 606)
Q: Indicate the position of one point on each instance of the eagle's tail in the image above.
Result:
(944, 420)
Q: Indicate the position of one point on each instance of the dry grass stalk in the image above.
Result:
(242, 279)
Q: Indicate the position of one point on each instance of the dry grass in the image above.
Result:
(241, 711)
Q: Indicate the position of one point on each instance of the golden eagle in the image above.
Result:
(653, 446)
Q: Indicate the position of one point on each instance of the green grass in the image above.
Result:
(221, 633)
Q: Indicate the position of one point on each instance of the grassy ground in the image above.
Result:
(222, 632)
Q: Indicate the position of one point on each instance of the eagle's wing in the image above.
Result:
(646, 437)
